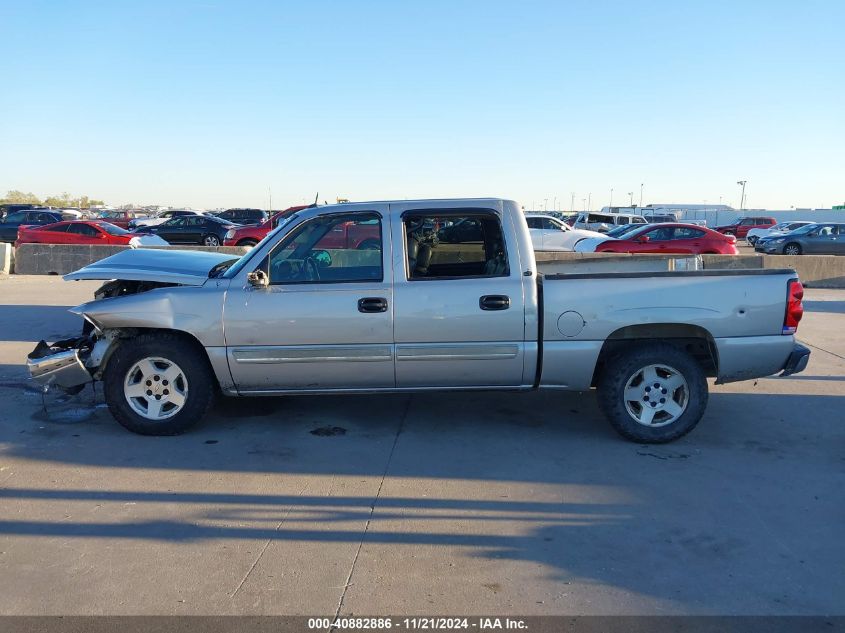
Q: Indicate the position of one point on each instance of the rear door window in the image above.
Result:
(83, 229)
(687, 233)
(454, 246)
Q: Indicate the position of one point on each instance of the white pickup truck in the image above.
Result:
(447, 296)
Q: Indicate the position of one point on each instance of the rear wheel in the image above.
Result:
(792, 249)
(247, 243)
(653, 393)
(211, 240)
(158, 384)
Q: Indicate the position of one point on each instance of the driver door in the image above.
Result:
(325, 321)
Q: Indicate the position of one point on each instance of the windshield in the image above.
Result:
(237, 265)
(619, 230)
(628, 233)
(111, 229)
(804, 229)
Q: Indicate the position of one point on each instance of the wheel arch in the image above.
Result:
(693, 339)
(116, 335)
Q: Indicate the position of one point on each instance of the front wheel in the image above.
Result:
(653, 393)
(247, 243)
(211, 240)
(158, 384)
(792, 249)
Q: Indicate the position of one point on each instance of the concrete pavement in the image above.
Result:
(429, 504)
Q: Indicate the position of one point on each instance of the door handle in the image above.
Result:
(371, 305)
(494, 302)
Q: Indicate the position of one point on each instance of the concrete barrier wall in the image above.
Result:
(815, 271)
(7, 258)
(556, 262)
(60, 259)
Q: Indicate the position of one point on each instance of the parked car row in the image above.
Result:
(689, 239)
(85, 232)
(816, 238)
(172, 226)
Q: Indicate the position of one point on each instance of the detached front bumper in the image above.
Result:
(60, 364)
(797, 361)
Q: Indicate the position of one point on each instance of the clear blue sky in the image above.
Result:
(209, 103)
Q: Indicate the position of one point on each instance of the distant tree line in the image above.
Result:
(63, 200)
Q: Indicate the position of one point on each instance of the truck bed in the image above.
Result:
(740, 313)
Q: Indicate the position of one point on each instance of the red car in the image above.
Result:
(671, 238)
(741, 226)
(251, 234)
(121, 218)
(80, 232)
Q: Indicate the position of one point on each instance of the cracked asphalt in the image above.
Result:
(429, 504)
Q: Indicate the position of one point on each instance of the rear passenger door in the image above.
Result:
(838, 245)
(458, 302)
(822, 241)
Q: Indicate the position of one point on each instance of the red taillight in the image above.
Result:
(794, 307)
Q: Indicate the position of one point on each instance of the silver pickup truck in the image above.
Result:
(416, 296)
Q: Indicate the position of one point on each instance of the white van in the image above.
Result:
(603, 222)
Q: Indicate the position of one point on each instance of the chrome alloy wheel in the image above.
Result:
(656, 395)
(211, 240)
(156, 388)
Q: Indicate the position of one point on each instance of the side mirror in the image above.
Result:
(258, 279)
(643, 239)
(323, 258)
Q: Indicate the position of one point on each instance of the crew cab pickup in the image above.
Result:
(302, 314)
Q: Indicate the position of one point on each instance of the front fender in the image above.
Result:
(198, 311)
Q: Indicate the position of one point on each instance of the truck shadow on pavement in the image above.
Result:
(538, 478)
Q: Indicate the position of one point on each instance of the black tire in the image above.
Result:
(621, 367)
(189, 357)
(247, 243)
(795, 245)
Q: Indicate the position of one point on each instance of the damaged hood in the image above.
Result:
(189, 268)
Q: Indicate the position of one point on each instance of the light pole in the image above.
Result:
(572, 201)
(584, 200)
(742, 197)
(631, 199)
(641, 194)
(590, 201)
(554, 204)
(611, 196)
